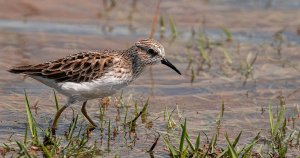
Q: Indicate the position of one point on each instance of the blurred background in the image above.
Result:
(240, 53)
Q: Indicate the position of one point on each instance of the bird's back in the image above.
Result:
(81, 67)
(92, 74)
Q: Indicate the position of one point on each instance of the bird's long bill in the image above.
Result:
(166, 62)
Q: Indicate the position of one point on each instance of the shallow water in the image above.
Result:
(59, 28)
(44, 37)
(277, 4)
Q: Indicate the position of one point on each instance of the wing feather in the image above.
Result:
(81, 67)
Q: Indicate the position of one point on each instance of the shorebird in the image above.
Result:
(95, 74)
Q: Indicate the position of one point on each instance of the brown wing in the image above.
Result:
(81, 67)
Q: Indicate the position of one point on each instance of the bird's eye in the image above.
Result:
(151, 52)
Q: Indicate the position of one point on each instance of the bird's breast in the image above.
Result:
(107, 85)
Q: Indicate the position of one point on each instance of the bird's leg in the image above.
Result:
(85, 114)
(57, 115)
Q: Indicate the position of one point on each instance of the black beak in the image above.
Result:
(166, 62)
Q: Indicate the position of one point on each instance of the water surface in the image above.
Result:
(44, 37)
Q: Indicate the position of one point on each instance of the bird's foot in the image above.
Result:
(53, 131)
(89, 129)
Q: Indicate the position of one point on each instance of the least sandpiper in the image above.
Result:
(95, 74)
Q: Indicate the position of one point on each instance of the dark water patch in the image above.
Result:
(122, 31)
(62, 28)
(171, 91)
(261, 4)
(18, 87)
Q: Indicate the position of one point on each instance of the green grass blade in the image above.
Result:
(46, 152)
(227, 150)
(227, 55)
(233, 145)
(184, 152)
(26, 133)
(30, 118)
(193, 75)
(125, 117)
(298, 138)
(203, 52)
(23, 150)
(197, 145)
(223, 153)
(173, 27)
(253, 60)
(228, 34)
(182, 136)
(189, 142)
(144, 111)
(213, 142)
(247, 149)
(162, 28)
(73, 126)
(233, 153)
(280, 118)
(271, 119)
(171, 148)
(237, 139)
(222, 108)
(136, 109)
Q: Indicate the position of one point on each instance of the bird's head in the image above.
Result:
(151, 52)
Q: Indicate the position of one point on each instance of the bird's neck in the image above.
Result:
(137, 64)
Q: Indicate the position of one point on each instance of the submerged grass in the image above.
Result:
(202, 56)
(228, 34)
(75, 142)
(178, 140)
(276, 146)
(173, 27)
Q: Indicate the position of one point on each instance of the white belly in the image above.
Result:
(105, 86)
(102, 87)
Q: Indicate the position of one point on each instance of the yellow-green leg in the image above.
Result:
(57, 115)
(85, 114)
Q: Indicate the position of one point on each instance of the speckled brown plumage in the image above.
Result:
(81, 67)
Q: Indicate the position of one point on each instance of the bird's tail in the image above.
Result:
(28, 69)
